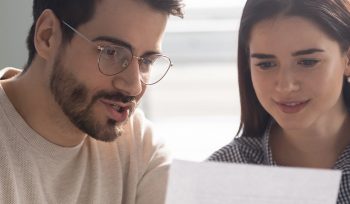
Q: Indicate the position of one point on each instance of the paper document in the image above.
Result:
(227, 183)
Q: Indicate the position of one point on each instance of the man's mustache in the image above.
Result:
(115, 96)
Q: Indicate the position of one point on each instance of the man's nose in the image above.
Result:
(129, 81)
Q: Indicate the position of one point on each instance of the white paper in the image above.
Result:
(221, 183)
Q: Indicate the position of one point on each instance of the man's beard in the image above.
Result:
(73, 97)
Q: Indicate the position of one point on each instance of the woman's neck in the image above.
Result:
(318, 146)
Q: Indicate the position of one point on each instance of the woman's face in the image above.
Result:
(297, 72)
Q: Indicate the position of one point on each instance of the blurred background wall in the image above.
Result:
(15, 20)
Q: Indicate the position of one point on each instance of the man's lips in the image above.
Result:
(292, 106)
(117, 110)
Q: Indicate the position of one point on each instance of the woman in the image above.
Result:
(294, 81)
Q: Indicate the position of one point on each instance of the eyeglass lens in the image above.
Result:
(114, 60)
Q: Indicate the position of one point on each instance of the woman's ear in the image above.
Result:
(347, 64)
(47, 34)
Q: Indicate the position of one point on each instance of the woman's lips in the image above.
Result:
(292, 106)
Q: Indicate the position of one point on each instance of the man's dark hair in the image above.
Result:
(78, 12)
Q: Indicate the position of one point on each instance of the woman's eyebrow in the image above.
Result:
(306, 52)
(296, 53)
(262, 56)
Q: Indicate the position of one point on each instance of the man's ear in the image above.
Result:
(348, 56)
(47, 34)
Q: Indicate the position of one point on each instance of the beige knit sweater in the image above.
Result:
(131, 170)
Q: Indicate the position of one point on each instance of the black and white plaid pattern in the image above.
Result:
(257, 151)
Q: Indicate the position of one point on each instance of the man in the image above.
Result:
(68, 130)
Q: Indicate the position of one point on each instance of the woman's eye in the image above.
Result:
(265, 65)
(308, 62)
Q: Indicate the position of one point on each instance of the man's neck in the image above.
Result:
(31, 96)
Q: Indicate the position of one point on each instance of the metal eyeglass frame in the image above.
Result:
(101, 48)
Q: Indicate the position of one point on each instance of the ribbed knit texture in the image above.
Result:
(131, 170)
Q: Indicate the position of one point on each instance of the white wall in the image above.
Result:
(15, 20)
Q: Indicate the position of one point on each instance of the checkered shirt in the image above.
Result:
(251, 150)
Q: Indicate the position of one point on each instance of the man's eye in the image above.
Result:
(308, 62)
(265, 65)
(147, 61)
(110, 51)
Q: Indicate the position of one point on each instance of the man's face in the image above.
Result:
(73, 97)
(97, 104)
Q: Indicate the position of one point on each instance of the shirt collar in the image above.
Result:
(266, 145)
(343, 162)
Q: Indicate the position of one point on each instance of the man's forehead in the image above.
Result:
(130, 21)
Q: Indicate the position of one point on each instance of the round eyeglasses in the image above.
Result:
(114, 59)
